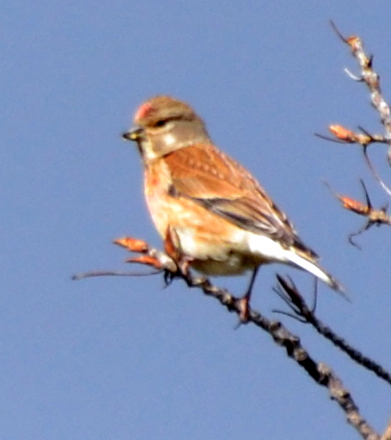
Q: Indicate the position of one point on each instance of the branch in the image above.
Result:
(289, 293)
(374, 216)
(319, 372)
(372, 80)
(387, 433)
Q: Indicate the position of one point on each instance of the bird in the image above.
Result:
(212, 214)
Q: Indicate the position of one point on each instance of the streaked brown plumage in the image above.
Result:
(213, 212)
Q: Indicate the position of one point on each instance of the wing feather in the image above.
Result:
(210, 178)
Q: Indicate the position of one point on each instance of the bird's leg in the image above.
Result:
(172, 249)
(245, 300)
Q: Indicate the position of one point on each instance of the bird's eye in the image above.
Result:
(161, 123)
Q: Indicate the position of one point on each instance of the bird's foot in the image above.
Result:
(244, 310)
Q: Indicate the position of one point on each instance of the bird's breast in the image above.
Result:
(215, 245)
(157, 180)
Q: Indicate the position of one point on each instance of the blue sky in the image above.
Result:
(121, 358)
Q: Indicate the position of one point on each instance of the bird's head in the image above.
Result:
(165, 124)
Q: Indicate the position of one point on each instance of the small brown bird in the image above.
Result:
(210, 211)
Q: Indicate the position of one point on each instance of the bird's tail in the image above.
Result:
(312, 267)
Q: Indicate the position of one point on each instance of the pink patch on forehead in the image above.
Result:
(143, 111)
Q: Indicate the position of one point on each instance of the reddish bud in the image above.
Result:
(132, 244)
(354, 42)
(342, 133)
(147, 260)
(353, 205)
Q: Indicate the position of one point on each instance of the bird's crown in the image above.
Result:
(162, 108)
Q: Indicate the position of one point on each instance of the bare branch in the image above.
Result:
(387, 433)
(372, 80)
(292, 296)
(111, 273)
(319, 372)
(374, 216)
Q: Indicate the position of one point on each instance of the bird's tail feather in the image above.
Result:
(313, 268)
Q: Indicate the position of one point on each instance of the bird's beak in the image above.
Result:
(133, 135)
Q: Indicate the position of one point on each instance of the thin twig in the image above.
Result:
(375, 173)
(387, 433)
(372, 80)
(374, 216)
(293, 298)
(112, 273)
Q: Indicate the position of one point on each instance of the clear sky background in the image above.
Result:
(121, 358)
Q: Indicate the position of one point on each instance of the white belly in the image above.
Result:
(217, 257)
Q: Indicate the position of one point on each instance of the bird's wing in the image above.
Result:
(214, 180)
